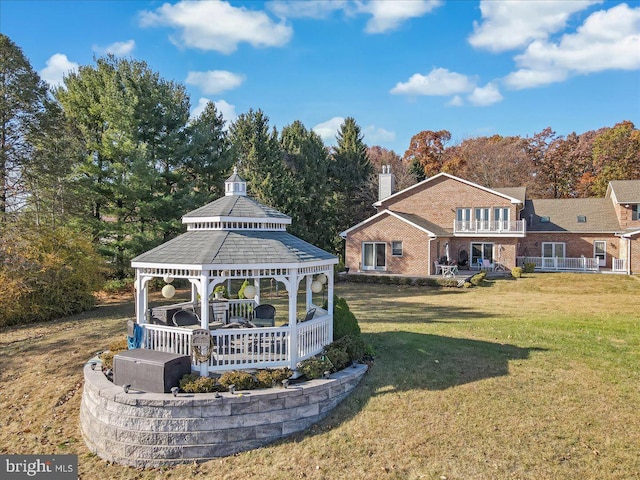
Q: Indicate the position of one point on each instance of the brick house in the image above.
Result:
(448, 219)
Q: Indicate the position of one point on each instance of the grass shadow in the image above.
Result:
(412, 360)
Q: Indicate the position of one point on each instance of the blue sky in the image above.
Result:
(398, 67)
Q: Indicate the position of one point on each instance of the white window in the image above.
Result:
(396, 248)
(482, 218)
(553, 249)
(374, 256)
(501, 217)
(463, 217)
(635, 212)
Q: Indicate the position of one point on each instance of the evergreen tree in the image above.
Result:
(350, 172)
(206, 156)
(257, 153)
(22, 98)
(51, 199)
(309, 201)
(131, 124)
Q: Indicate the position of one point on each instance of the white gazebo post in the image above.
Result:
(329, 275)
(142, 297)
(292, 287)
(309, 293)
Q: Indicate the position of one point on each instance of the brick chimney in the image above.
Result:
(386, 183)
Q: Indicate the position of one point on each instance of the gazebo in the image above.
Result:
(238, 238)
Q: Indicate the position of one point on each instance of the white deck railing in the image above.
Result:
(561, 263)
(619, 265)
(517, 227)
(238, 348)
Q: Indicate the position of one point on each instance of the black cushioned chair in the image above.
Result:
(184, 318)
(264, 315)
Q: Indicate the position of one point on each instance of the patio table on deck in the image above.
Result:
(449, 271)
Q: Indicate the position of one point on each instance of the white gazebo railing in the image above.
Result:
(234, 348)
(561, 263)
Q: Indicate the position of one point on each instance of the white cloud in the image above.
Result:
(514, 24)
(385, 15)
(119, 49)
(373, 134)
(390, 15)
(57, 67)
(329, 130)
(439, 81)
(215, 81)
(456, 101)
(528, 78)
(216, 25)
(607, 40)
(484, 96)
(307, 9)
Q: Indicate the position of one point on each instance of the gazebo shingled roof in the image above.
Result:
(214, 247)
(235, 206)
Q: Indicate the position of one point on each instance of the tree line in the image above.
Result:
(112, 156)
(548, 164)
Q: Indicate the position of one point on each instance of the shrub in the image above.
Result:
(118, 285)
(428, 282)
(46, 273)
(242, 380)
(344, 321)
(194, 383)
(315, 367)
(115, 347)
(478, 278)
(267, 378)
(529, 267)
(355, 347)
(516, 272)
(338, 356)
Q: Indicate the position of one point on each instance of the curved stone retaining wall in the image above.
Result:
(153, 429)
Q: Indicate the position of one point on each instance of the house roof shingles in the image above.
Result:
(563, 215)
(626, 191)
(518, 193)
(425, 224)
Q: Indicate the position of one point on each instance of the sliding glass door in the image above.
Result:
(374, 256)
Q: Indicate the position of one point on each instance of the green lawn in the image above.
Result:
(536, 378)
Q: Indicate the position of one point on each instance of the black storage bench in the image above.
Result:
(150, 370)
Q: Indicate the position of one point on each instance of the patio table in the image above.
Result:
(449, 271)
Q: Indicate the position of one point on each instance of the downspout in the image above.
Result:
(429, 253)
(628, 239)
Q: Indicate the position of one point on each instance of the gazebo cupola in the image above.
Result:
(235, 184)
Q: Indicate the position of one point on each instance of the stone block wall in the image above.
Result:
(153, 429)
